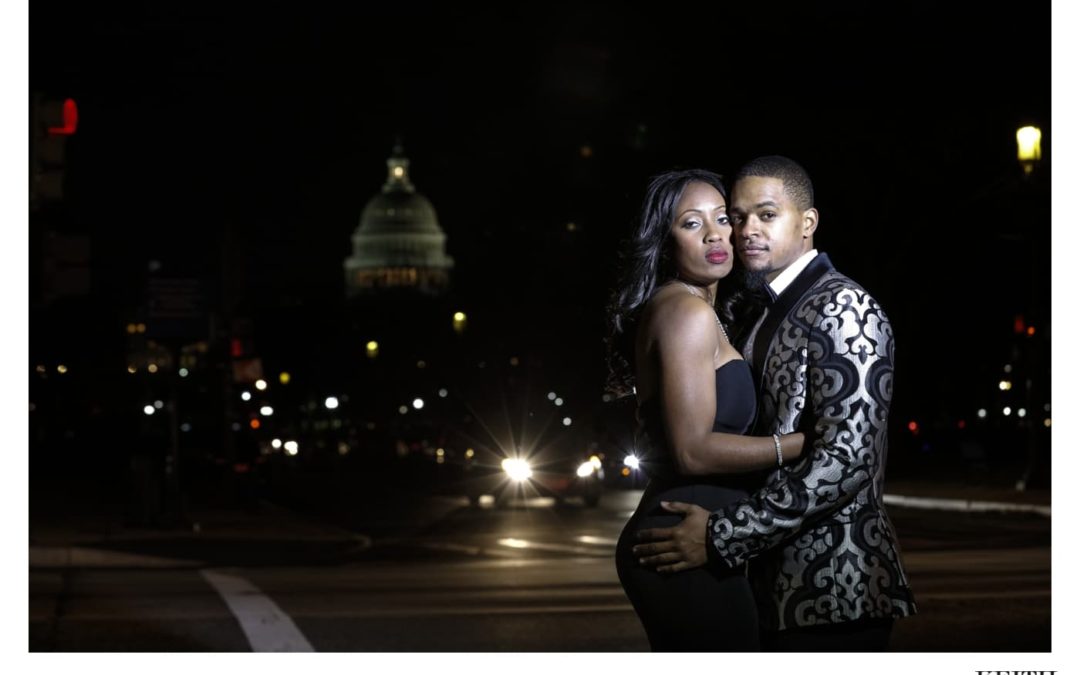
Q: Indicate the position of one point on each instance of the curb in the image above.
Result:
(969, 505)
(52, 557)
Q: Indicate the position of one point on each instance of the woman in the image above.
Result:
(695, 400)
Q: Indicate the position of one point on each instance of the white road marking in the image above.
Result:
(266, 626)
(561, 548)
(598, 541)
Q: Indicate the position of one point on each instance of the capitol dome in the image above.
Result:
(398, 243)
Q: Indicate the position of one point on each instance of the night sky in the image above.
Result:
(275, 119)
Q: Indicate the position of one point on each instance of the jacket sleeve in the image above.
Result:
(845, 396)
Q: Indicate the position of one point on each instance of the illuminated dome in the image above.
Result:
(398, 243)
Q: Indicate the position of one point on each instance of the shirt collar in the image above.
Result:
(788, 275)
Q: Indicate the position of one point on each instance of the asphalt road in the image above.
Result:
(532, 578)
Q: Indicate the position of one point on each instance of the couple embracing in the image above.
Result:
(763, 394)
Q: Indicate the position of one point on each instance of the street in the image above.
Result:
(533, 577)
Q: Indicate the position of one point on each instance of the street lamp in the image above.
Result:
(1028, 147)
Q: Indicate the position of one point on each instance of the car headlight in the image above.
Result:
(586, 469)
(517, 469)
(632, 461)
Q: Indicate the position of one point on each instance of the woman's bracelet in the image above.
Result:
(779, 454)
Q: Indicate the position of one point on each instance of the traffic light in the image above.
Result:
(52, 122)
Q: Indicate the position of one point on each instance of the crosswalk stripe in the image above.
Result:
(266, 626)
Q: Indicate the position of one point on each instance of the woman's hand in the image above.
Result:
(674, 549)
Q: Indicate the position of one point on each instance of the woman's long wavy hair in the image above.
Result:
(645, 263)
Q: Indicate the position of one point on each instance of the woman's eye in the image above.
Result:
(690, 223)
(723, 220)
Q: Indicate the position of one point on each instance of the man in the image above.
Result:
(825, 563)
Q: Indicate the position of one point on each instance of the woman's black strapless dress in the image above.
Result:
(708, 608)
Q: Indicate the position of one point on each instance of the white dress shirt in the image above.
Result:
(788, 275)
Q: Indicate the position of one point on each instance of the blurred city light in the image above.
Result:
(517, 469)
(185, 427)
(61, 369)
(255, 424)
(1046, 422)
(1008, 367)
(260, 385)
(276, 443)
(566, 421)
(284, 378)
(403, 409)
(266, 411)
(632, 461)
(1006, 411)
(982, 413)
(459, 322)
(291, 447)
(418, 403)
(443, 393)
(41, 369)
(331, 402)
(372, 349)
(1028, 147)
(183, 372)
(551, 396)
(148, 409)
(343, 448)
(159, 404)
(1005, 385)
(558, 401)
(1022, 412)
(586, 469)
(245, 395)
(132, 369)
(469, 452)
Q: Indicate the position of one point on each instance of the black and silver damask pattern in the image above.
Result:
(823, 548)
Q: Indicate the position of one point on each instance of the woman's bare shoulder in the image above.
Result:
(673, 313)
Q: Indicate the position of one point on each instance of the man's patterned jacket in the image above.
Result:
(820, 546)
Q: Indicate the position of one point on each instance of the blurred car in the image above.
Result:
(548, 473)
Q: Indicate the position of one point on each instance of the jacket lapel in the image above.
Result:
(782, 306)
